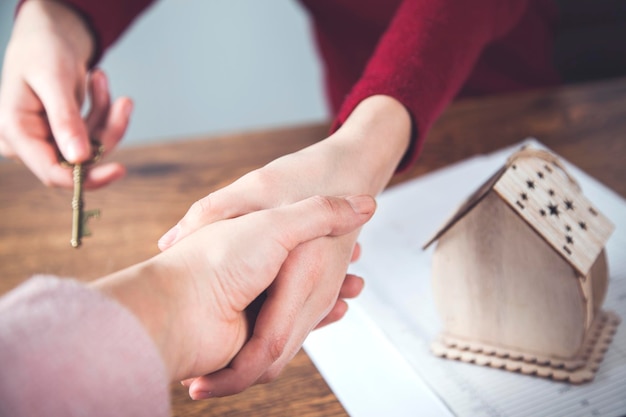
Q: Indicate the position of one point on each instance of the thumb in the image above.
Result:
(320, 216)
(62, 108)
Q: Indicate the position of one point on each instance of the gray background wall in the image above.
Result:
(197, 67)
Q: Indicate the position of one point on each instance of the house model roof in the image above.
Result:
(539, 189)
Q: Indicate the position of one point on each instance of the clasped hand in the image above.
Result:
(307, 292)
(193, 298)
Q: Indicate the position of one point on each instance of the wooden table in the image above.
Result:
(586, 124)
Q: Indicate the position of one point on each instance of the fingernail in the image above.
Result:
(73, 150)
(200, 395)
(128, 109)
(102, 83)
(169, 237)
(362, 204)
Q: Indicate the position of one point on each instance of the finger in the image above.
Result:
(116, 124)
(112, 132)
(246, 368)
(6, 149)
(108, 123)
(38, 155)
(187, 382)
(219, 205)
(320, 285)
(225, 203)
(336, 313)
(320, 216)
(101, 175)
(45, 165)
(63, 111)
(356, 252)
(98, 88)
(267, 345)
(302, 221)
(310, 311)
(351, 287)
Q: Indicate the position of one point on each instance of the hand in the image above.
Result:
(351, 287)
(42, 90)
(192, 299)
(303, 294)
(353, 160)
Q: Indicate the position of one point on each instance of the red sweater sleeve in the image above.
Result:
(422, 52)
(106, 19)
(425, 55)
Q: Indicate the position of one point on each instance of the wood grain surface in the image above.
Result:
(585, 124)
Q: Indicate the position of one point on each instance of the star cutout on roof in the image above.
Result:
(569, 239)
(583, 225)
(554, 209)
(540, 174)
(531, 184)
(569, 205)
(524, 196)
(551, 191)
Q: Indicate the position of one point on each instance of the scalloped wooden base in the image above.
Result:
(576, 371)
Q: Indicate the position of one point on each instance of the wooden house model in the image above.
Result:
(520, 274)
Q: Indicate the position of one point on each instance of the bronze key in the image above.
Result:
(80, 217)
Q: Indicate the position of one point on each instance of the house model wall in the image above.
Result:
(520, 274)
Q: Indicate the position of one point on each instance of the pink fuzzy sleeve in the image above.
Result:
(67, 350)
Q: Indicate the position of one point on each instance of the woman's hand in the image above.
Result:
(41, 93)
(359, 158)
(193, 298)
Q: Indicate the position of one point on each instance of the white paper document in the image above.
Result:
(377, 359)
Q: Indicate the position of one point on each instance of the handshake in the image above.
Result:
(193, 313)
(193, 296)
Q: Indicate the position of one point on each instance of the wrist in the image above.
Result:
(147, 293)
(35, 16)
(359, 158)
(374, 138)
(181, 313)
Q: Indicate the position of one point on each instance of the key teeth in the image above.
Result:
(88, 214)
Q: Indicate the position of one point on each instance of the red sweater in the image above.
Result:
(421, 52)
